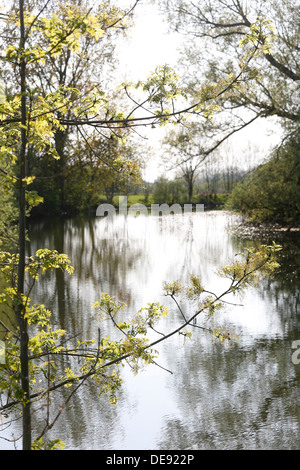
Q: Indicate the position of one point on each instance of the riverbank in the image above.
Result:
(209, 202)
(251, 230)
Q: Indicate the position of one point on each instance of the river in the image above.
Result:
(201, 395)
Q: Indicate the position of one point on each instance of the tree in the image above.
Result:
(214, 29)
(72, 66)
(33, 120)
(168, 191)
(271, 192)
(185, 154)
(118, 167)
(96, 165)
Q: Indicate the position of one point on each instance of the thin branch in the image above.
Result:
(161, 367)
(36, 18)
(94, 153)
(124, 16)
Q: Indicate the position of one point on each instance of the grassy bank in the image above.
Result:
(211, 201)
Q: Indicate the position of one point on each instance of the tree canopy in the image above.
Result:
(212, 32)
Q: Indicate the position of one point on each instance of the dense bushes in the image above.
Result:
(271, 192)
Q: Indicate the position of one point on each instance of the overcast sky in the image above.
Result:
(149, 44)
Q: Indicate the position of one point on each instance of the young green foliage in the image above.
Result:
(248, 270)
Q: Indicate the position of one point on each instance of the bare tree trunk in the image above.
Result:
(190, 190)
(189, 177)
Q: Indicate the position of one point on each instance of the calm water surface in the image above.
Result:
(246, 397)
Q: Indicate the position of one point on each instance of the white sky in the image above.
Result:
(148, 45)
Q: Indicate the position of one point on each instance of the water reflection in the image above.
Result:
(216, 398)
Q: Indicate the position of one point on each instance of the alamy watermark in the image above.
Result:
(296, 354)
(134, 221)
(140, 209)
(2, 352)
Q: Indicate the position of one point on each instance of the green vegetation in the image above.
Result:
(271, 192)
(167, 196)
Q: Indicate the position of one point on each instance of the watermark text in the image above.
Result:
(140, 209)
(2, 352)
(296, 354)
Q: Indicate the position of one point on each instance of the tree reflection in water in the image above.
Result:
(239, 398)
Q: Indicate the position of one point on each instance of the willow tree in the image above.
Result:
(213, 30)
(31, 118)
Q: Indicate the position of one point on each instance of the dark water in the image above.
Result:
(246, 397)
